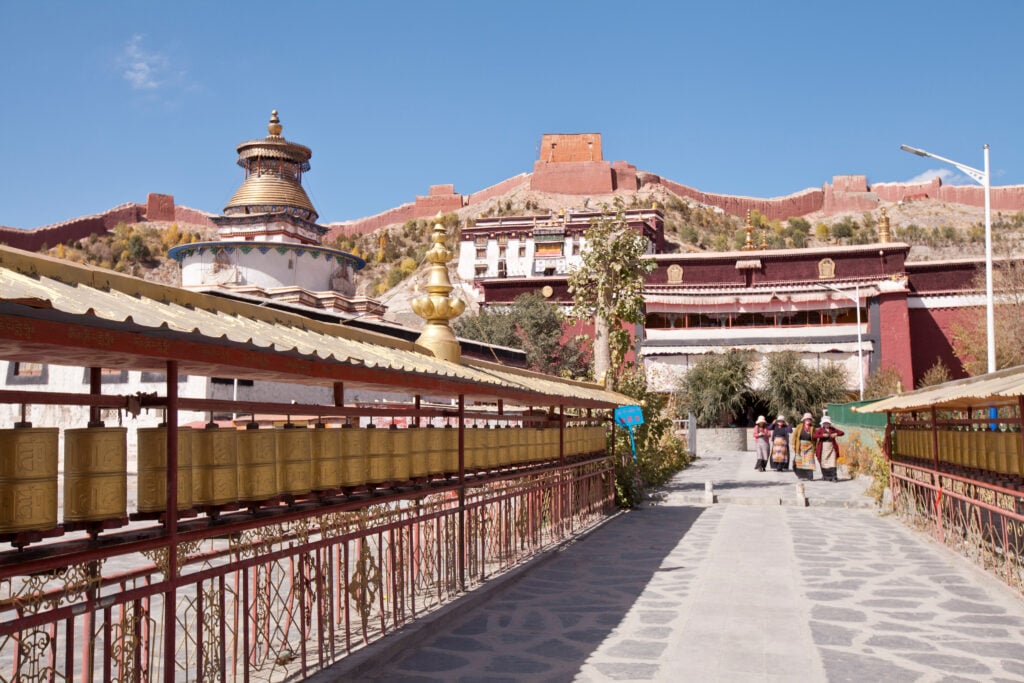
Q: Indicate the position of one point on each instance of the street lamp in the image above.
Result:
(855, 298)
(985, 179)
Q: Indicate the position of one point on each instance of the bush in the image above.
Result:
(867, 460)
(660, 454)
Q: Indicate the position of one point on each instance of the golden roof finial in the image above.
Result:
(749, 227)
(764, 236)
(274, 127)
(438, 307)
(883, 227)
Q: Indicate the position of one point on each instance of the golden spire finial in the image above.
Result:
(883, 227)
(749, 227)
(437, 307)
(274, 127)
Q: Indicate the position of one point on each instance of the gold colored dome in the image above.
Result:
(269, 194)
(273, 175)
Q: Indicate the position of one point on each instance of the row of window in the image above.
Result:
(546, 249)
(668, 321)
(38, 373)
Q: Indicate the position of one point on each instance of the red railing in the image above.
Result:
(284, 591)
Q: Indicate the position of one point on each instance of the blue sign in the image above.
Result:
(628, 416)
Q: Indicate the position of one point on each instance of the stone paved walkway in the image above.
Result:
(752, 588)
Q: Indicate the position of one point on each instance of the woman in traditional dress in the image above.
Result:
(780, 444)
(827, 449)
(762, 442)
(803, 448)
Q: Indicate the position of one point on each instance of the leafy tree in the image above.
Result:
(716, 387)
(791, 387)
(883, 382)
(969, 332)
(608, 287)
(936, 374)
(532, 324)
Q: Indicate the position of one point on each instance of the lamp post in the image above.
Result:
(985, 180)
(855, 298)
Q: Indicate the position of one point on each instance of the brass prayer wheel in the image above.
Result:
(522, 448)
(491, 448)
(450, 452)
(434, 442)
(378, 452)
(401, 454)
(152, 459)
(257, 464)
(474, 443)
(354, 463)
(294, 460)
(325, 445)
(95, 474)
(505, 446)
(28, 479)
(214, 466)
(418, 453)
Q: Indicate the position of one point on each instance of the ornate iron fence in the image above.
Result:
(283, 593)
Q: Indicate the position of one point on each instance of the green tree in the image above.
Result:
(791, 387)
(882, 382)
(608, 286)
(533, 324)
(969, 332)
(936, 374)
(716, 387)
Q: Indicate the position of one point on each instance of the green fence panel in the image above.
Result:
(842, 413)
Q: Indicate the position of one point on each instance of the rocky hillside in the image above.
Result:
(394, 253)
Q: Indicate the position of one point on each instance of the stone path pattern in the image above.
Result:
(744, 590)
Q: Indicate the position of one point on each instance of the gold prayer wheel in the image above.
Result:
(325, 445)
(492, 448)
(522, 447)
(435, 450)
(378, 450)
(450, 453)
(28, 479)
(354, 463)
(95, 474)
(257, 463)
(294, 460)
(401, 454)
(474, 447)
(418, 453)
(214, 466)
(960, 444)
(505, 446)
(152, 481)
(1003, 447)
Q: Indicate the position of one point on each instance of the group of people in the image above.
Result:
(807, 444)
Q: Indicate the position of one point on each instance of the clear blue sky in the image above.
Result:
(104, 102)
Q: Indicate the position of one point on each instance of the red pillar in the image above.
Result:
(894, 335)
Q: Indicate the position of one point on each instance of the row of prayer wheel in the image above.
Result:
(221, 466)
(997, 452)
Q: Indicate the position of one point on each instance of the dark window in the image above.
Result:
(27, 373)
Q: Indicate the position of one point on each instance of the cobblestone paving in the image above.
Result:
(741, 591)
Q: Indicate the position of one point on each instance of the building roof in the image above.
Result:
(56, 311)
(1000, 388)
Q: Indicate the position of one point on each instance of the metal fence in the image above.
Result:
(280, 593)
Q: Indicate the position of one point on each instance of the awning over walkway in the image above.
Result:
(52, 309)
(1000, 388)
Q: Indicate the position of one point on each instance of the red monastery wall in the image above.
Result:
(160, 205)
(778, 208)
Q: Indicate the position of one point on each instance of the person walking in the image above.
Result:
(780, 444)
(804, 448)
(762, 442)
(826, 448)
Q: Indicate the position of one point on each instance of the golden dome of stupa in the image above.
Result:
(273, 176)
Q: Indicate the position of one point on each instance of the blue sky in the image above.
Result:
(104, 102)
